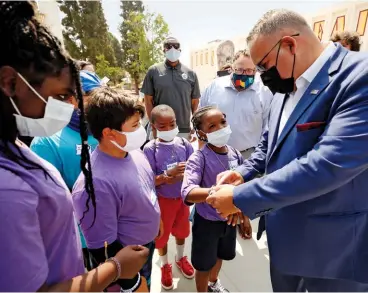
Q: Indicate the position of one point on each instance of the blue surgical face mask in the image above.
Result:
(242, 82)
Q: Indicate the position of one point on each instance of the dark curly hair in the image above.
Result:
(348, 38)
(29, 47)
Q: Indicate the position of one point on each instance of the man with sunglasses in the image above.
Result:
(315, 158)
(244, 99)
(173, 84)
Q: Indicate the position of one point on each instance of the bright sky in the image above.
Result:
(195, 23)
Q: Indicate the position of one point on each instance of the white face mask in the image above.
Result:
(134, 140)
(220, 137)
(168, 135)
(57, 116)
(172, 55)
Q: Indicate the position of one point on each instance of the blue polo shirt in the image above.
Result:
(63, 150)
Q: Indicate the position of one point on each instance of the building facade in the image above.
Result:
(353, 16)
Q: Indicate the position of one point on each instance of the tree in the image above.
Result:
(134, 39)
(85, 30)
(116, 46)
(103, 68)
(157, 31)
(142, 39)
(72, 28)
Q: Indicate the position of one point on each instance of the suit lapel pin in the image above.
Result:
(314, 92)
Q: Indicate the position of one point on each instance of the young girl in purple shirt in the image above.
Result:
(40, 244)
(214, 238)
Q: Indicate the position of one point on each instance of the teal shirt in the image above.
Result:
(63, 150)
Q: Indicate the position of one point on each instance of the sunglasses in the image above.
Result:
(175, 46)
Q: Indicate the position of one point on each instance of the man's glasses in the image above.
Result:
(260, 67)
(247, 71)
(175, 46)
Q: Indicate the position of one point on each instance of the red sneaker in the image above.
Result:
(167, 277)
(185, 267)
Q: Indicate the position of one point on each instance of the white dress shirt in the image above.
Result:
(302, 84)
(246, 111)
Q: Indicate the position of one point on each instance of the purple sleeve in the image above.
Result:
(106, 224)
(23, 265)
(192, 175)
(148, 151)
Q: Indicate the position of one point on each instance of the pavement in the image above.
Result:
(248, 272)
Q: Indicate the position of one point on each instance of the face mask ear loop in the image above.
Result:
(31, 88)
(15, 106)
(278, 51)
(292, 73)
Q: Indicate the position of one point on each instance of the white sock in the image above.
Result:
(164, 260)
(179, 251)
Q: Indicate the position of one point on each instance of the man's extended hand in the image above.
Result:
(229, 177)
(222, 200)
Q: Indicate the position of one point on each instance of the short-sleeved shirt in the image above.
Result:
(63, 151)
(175, 87)
(246, 111)
(39, 237)
(164, 156)
(202, 169)
(127, 205)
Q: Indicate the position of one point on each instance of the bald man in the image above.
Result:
(315, 158)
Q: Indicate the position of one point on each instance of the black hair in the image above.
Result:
(109, 108)
(156, 111)
(30, 48)
(198, 116)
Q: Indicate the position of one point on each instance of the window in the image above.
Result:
(339, 25)
(206, 58)
(212, 58)
(197, 59)
(362, 22)
(201, 58)
(318, 29)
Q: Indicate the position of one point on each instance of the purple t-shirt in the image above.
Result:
(202, 168)
(164, 156)
(127, 206)
(39, 236)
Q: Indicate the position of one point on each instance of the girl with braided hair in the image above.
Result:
(39, 237)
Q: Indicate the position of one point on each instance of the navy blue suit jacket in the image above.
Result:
(315, 192)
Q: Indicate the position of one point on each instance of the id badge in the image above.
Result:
(233, 164)
(153, 197)
(171, 166)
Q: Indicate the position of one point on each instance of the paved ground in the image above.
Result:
(247, 272)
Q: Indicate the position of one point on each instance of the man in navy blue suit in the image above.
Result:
(314, 155)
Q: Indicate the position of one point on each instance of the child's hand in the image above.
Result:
(178, 169)
(245, 228)
(175, 179)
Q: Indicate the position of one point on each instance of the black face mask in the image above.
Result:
(272, 79)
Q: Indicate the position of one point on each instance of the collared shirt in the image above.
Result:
(303, 82)
(173, 86)
(246, 111)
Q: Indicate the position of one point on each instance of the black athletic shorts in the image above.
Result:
(212, 240)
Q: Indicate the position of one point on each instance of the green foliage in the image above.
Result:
(142, 38)
(116, 46)
(85, 30)
(103, 68)
(157, 31)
